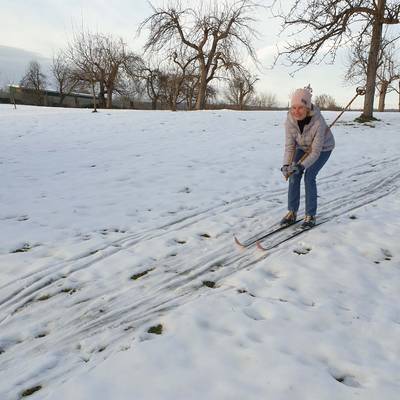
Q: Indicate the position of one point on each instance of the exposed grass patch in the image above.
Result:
(23, 249)
(302, 250)
(128, 328)
(216, 266)
(134, 277)
(347, 380)
(241, 291)
(44, 297)
(30, 391)
(156, 330)
(387, 254)
(362, 119)
(68, 290)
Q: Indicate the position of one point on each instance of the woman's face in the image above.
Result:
(299, 112)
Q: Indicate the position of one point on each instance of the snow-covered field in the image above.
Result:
(118, 222)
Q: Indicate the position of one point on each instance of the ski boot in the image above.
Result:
(309, 222)
(288, 219)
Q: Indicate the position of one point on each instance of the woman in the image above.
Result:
(309, 143)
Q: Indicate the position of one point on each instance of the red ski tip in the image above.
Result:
(259, 246)
(238, 242)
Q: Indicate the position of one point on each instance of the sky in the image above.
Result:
(36, 29)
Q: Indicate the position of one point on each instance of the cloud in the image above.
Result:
(14, 62)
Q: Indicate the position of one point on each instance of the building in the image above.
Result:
(50, 98)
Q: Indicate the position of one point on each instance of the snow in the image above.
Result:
(112, 222)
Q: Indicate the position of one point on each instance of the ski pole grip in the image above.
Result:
(360, 91)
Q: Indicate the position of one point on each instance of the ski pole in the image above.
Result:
(360, 91)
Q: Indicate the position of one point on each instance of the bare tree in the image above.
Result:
(153, 77)
(264, 101)
(189, 88)
(388, 73)
(241, 87)
(397, 90)
(131, 91)
(184, 61)
(167, 80)
(36, 80)
(335, 23)
(170, 85)
(211, 94)
(214, 33)
(325, 102)
(131, 86)
(84, 54)
(115, 56)
(357, 63)
(64, 76)
(388, 67)
(100, 59)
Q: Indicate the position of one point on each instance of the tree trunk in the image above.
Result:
(102, 99)
(109, 97)
(62, 98)
(94, 97)
(201, 95)
(241, 100)
(189, 99)
(382, 95)
(175, 95)
(189, 102)
(373, 61)
(12, 96)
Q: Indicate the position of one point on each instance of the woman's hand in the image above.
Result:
(285, 171)
(296, 169)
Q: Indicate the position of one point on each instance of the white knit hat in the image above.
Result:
(302, 97)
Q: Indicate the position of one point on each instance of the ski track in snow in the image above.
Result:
(72, 318)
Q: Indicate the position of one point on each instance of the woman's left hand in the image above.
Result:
(296, 169)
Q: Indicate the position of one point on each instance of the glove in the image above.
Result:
(296, 169)
(285, 171)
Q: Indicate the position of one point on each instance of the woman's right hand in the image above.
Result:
(285, 171)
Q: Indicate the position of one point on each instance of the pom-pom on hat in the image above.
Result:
(302, 97)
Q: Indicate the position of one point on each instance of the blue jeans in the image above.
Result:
(309, 182)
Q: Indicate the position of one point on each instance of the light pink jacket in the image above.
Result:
(316, 137)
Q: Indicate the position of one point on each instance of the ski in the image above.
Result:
(260, 237)
(298, 231)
